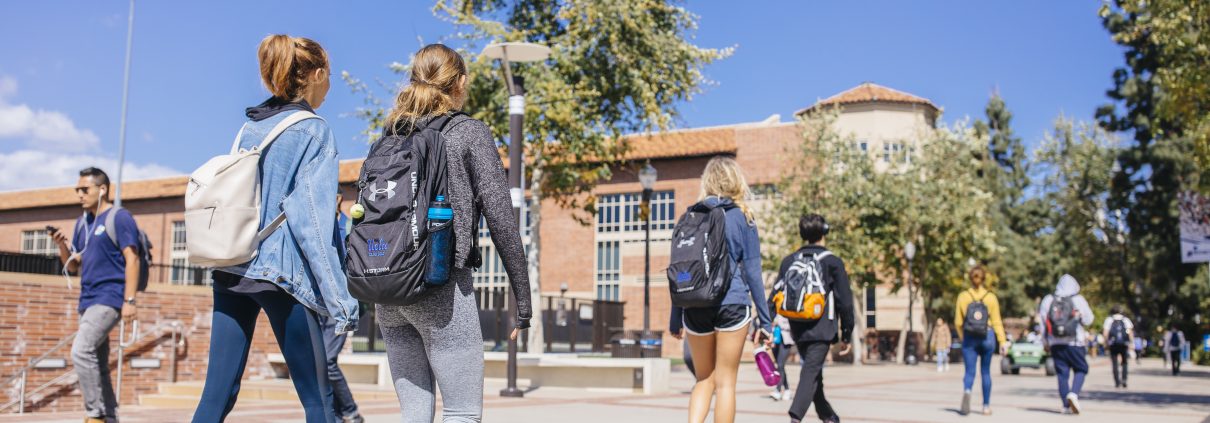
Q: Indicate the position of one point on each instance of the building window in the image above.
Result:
(864, 145)
(618, 213)
(892, 151)
(491, 279)
(619, 223)
(183, 272)
(38, 242)
(764, 192)
(609, 270)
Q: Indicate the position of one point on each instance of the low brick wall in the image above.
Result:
(37, 311)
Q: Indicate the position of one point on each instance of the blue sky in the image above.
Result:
(195, 68)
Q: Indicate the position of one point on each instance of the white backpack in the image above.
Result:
(222, 204)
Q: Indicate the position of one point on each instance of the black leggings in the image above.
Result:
(781, 353)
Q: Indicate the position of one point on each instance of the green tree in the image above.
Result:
(1083, 237)
(1172, 37)
(930, 198)
(1157, 165)
(1015, 217)
(616, 67)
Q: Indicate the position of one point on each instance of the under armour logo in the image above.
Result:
(375, 192)
(686, 242)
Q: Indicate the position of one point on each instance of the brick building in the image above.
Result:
(603, 260)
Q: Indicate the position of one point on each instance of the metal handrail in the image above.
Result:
(178, 341)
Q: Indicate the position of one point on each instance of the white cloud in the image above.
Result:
(28, 169)
(45, 130)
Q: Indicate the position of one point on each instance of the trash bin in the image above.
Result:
(652, 346)
(624, 348)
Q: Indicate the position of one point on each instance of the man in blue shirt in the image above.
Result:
(109, 278)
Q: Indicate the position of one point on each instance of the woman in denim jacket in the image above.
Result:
(297, 274)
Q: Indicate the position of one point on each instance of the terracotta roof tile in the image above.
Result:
(671, 144)
(869, 92)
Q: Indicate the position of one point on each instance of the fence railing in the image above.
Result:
(156, 273)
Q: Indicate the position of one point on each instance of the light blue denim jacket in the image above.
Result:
(299, 176)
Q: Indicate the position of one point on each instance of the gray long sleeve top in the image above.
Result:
(479, 187)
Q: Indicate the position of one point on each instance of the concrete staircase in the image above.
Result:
(252, 392)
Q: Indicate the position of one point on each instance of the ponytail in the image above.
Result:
(285, 63)
(434, 87)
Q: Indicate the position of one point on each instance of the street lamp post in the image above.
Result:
(507, 53)
(647, 177)
(909, 252)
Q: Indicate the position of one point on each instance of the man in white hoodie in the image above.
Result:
(1066, 314)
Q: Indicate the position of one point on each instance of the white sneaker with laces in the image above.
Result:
(775, 395)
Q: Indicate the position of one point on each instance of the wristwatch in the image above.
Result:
(130, 301)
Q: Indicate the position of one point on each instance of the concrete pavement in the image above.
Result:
(883, 393)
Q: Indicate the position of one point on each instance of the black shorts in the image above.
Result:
(726, 318)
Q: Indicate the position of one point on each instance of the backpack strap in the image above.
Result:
(109, 230)
(276, 131)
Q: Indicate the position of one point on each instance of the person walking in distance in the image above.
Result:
(1118, 332)
(813, 292)
(942, 340)
(1174, 342)
(977, 315)
(342, 397)
(295, 274)
(1067, 313)
(107, 259)
(783, 345)
(717, 320)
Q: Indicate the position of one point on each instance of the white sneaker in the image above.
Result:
(1073, 401)
(775, 395)
(787, 395)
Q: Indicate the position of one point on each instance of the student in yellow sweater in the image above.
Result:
(977, 317)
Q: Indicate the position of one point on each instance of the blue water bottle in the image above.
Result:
(439, 216)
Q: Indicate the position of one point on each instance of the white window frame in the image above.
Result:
(491, 277)
(618, 225)
(38, 241)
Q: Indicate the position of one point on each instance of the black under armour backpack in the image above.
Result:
(1117, 333)
(1061, 321)
(388, 245)
(700, 270)
(976, 320)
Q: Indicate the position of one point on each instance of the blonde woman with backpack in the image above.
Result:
(977, 318)
(295, 274)
(717, 331)
(436, 341)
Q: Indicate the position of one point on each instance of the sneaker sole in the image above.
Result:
(1075, 406)
(966, 404)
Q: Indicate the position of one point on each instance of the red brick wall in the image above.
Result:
(37, 311)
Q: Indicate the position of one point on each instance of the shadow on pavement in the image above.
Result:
(1155, 399)
(1043, 410)
(1166, 372)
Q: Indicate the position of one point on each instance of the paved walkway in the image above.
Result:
(888, 393)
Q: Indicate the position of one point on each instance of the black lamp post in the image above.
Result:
(909, 252)
(647, 177)
(507, 53)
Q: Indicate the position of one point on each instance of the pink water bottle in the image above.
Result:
(768, 370)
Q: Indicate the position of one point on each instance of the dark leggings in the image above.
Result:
(781, 353)
(298, 336)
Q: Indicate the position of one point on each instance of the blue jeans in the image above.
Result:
(978, 351)
(1069, 364)
(943, 356)
(298, 336)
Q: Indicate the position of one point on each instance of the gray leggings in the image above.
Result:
(437, 339)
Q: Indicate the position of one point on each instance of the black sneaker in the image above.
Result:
(833, 419)
(966, 404)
